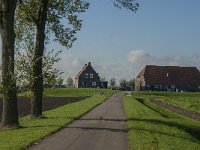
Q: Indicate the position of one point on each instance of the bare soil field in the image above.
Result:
(176, 109)
(24, 104)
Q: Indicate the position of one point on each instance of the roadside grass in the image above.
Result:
(153, 128)
(187, 100)
(32, 131)
(70, 92)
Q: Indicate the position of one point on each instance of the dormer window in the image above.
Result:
(91, 75)
(86, 75)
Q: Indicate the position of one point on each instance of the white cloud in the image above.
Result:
(70, 65)
(138, 56)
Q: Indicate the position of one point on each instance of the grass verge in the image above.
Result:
(70, 92)
(153, 128)
(34, 130)
(187, 100)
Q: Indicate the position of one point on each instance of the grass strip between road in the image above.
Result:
(153, 128)
(32, 131)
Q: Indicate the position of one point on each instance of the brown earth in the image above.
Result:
(24, 104)
(176, 109)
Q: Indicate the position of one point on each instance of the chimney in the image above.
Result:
(89, 63)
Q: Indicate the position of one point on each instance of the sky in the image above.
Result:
(119, 43)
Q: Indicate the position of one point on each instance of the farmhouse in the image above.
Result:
(88, 78)
(168, 78)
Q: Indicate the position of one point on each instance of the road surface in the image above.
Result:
(103, 128)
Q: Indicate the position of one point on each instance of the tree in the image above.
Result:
(129, 4)
(60, 81)
(112, 82)
(131, 84)
(24, 72)
(123, 83)
(10, 113)
(70, 82)
(37, 20)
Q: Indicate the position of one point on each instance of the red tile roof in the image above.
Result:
(170, 75)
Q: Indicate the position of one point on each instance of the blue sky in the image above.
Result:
(119, 43)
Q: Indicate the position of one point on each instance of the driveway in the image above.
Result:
(103, 128)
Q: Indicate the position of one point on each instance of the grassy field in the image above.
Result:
(153, 128)
(188, 100)
(70, 92)
(34, 130)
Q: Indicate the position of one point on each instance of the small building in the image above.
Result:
(88, 78)
(168, 78)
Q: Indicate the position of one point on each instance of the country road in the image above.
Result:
(103, 128)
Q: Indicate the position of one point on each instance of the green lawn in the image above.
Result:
(153, 128)
(33, 130)
(71, 92)
(188, 100)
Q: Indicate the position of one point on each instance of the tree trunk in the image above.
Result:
(37, 89)
(10, 113)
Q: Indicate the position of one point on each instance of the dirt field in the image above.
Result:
(24, 104)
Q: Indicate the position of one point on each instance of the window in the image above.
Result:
(91, 75)
(86, 75)
(93, 83)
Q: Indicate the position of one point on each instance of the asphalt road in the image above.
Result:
(103, 128)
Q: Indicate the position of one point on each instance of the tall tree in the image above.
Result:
(44, 17)
(123, 83)
(60, 81)
(70, 82)
(38, 19)
(24, 72)
(112, 82)
(7, 13)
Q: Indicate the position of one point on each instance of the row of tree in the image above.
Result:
(31, 24)
(123, 83)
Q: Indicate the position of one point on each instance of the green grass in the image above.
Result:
(70, 92)
(34, 130)
(187, 100)
(153, 128)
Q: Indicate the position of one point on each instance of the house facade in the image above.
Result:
(88, 78)
(168, 78)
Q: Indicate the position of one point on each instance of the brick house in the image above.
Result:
(168, 78)
(88, 78)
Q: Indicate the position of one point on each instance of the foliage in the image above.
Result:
(131, 84)
(70, 82)
(64, 32)
(34, 130)
(113, 82)
(123, 83)
(129, 4)
(151, 127)
(60, 80)
(24, 72)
